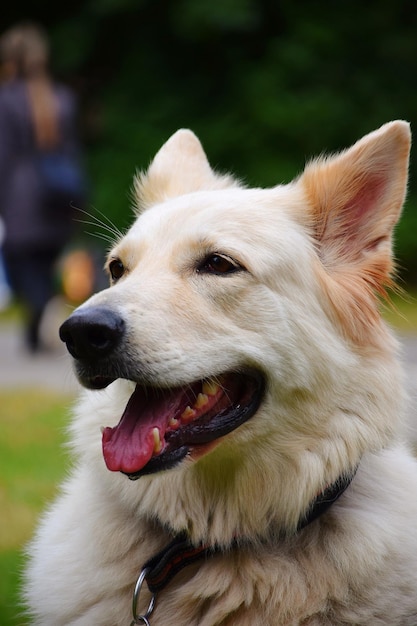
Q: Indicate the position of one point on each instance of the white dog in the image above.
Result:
(239, 369)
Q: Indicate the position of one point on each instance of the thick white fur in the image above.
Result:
(305, 314)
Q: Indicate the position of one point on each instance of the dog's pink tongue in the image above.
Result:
(128, 446)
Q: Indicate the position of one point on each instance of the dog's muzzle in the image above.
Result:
(160, 425)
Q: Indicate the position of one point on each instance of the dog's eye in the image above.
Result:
(219, 264)
(116, 269)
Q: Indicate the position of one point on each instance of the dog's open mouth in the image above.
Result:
(160, 427)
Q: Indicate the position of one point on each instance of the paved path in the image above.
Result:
(53, 370)
(49, 370)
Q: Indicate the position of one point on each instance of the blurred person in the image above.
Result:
(37, 121)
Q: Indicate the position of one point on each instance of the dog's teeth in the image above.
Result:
(188, 414)
(210, 388)
(173, 422)
(157, 445)
(202, 400)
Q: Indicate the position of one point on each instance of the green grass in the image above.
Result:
(13, 312)
(32, 462)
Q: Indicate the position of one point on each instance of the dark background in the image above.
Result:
(265, 84)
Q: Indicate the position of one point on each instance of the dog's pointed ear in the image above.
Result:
(355, 199)
(180, 167)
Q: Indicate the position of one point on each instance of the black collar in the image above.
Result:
(161, 569)
(181, 552)
(326, 498)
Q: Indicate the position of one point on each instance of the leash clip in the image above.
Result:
(141, 619)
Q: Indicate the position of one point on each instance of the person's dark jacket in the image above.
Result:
(28, 221)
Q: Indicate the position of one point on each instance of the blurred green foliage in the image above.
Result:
(265, 84)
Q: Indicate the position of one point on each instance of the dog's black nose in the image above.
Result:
(92, 333)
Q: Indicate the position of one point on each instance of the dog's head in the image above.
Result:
(244, 315)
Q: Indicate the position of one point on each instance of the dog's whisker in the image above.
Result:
(93, 220)
(107, 238)
(109, 221)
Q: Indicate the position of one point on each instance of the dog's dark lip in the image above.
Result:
(161, 463)
(232, 406)
(97, 382)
